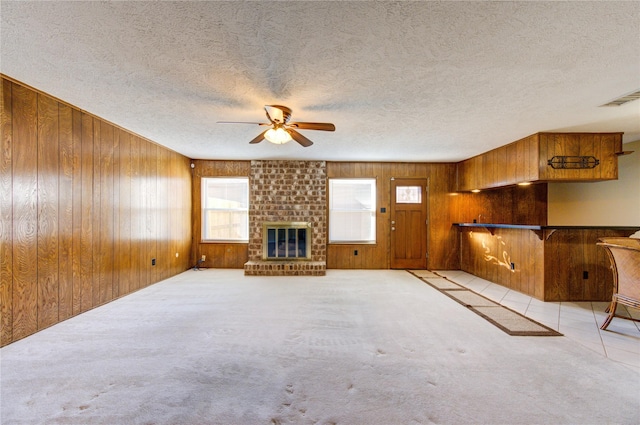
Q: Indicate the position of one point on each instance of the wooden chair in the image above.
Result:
(624, 254)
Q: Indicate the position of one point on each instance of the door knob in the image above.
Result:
(393, 222)
(393, 228)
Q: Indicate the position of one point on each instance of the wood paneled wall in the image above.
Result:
(575, 267)
(442, 237)
(553, 265)
(489, 255)
(508, 205)
(85, 206)
(218, 255)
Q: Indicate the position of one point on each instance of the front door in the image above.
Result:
(409, 223)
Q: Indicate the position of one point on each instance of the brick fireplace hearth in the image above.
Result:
(283, 191)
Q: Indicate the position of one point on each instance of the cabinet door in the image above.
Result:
(598, 150)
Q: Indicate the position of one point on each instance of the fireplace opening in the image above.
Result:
(286, 241)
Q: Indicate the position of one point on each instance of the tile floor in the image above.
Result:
(579, 321)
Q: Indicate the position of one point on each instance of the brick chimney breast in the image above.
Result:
(287, 191)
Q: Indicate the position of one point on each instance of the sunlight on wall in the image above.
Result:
(494, 249)
(606, 203)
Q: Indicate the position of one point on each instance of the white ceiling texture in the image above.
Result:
(402, 81)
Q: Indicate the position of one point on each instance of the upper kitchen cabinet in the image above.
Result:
(544, 157)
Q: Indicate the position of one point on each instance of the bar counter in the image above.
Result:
(550, 263)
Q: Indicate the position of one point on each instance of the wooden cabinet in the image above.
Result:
(527, 160)
(591, 147)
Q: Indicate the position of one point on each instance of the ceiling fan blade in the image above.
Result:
(299, 138)
(259, 138)
(278, 113)
(242, 122)
(324, 126)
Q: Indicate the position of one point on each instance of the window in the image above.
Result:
(352, 210)
(225, 209)
(408, 194)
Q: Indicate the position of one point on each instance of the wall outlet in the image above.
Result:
(153, 261)
(355, 252)
(585, 274)
(177, 255)
(204, 257)
(513, 266)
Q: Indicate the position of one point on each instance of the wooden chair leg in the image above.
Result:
(612, 312)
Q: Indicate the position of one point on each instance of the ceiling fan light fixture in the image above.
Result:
(277, 136)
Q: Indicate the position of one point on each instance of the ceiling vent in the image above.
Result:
(624, 99)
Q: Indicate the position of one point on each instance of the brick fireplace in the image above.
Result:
(287, 191)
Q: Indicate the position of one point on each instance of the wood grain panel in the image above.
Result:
(502, 177)
(6, 214)
(145, 193)
(510, 164)
(533, 148)
(77, 211)
(48, 198)
(219, 255)
(176, 200)
(489, 256)
(98, 259)
(151, 218)
(609, 145)
(88, 218)
(443, 240)
(65, 211)
(115, 202)
(25, 211)
(163, 216)
(589, 144)
(105, 254)
(123, 221)
(415, 248)
(521, 160)
(184, 233)
(66, 179)
(152, 213)
(137, 215)
(569, 253)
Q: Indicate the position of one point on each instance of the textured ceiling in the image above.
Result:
(402, 81)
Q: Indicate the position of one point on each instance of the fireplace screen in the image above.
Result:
(286, 241)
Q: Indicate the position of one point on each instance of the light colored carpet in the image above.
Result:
(351, 347)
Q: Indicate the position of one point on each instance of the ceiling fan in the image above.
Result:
(281, 130)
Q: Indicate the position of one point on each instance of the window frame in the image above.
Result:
(373, 211)
(203, 210)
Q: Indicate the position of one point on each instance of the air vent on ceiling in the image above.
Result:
(624, 99)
